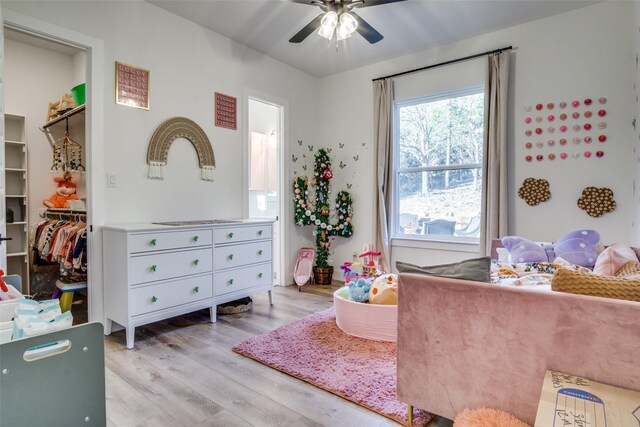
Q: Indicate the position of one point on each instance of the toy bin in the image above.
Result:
(7, 309)
(78, 93)
(370, 321)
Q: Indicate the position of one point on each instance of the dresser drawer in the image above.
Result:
(239, 255)
(162, 266)
(146, 299)
(242, 234)
(228, 281)
(162, 240)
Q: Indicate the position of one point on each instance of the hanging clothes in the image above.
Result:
(62, 242)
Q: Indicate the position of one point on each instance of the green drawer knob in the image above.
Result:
(196, 261)
(154, 298)
(196, 289)
(195, 238)
(230, 235)
(154, 268)
(260, 233)
(260, 252)
(153, 242)
(259, 275)
(230, 282)
(230, 257)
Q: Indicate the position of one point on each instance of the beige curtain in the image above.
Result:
(494, 178)
(383, 134)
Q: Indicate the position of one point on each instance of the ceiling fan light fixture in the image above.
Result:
(328, 25)
(346, 26)
(348, 23)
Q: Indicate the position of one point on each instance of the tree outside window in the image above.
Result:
(438, 158)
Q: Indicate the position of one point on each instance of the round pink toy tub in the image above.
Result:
(364, 320)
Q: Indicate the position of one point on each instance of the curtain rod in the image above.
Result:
(453, 61)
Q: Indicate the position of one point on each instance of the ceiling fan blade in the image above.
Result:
(308, 29)
(367, 31)
(367, 3)
(309, 2)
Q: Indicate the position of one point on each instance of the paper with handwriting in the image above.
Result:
(570, 400)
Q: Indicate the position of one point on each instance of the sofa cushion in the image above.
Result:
(475, 269)
(588, 283)
(613, 258)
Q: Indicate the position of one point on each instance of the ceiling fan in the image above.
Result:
(339, 18)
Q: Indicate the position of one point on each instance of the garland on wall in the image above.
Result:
(317, 212)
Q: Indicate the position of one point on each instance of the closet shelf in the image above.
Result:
(15, 142)
(19, 196)
(66, 115)
(14, 170)
(17, 223)
(16, 254)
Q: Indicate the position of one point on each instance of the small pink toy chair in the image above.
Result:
(304, 267)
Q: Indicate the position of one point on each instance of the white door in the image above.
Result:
(264, 132)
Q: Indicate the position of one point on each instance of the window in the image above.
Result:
(438, 165)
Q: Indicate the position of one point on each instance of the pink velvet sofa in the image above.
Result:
(465, 344)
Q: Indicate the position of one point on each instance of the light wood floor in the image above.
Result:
(182, 372)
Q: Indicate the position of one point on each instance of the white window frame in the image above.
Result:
(395, 216)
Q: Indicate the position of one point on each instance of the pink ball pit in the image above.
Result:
(364, 320)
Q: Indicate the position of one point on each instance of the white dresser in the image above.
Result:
(153, 272)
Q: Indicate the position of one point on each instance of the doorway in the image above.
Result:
(264, 170)
(92, 135)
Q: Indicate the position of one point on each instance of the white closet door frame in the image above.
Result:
(94, 140)
(3, 207)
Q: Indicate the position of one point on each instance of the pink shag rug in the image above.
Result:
(315, 350)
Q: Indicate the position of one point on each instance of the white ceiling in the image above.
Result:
(409, 26)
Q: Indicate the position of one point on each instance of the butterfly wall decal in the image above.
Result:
(364, 144)
(300, 142)
(349, 186)
(329, 150)
(304, 167)
(341, 145)
(294, 158)
(304, 156)
(342, 164)
(356, 158)
(310, 147)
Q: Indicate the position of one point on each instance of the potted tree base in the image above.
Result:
(323, 275)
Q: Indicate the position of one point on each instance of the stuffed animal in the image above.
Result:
(359, 291)
(3, 288)
(384, 290)
(66, 191)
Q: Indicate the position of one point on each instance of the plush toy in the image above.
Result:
(359, 291)
(384, 290)
(4, 290)
(66, 191)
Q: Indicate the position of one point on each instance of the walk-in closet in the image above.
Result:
(45, 170)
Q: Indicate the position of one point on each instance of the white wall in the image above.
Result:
(188, 64)
(34, 77)
(579, 54)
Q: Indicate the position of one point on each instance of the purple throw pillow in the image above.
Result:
(524, 250)
(578, 247)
